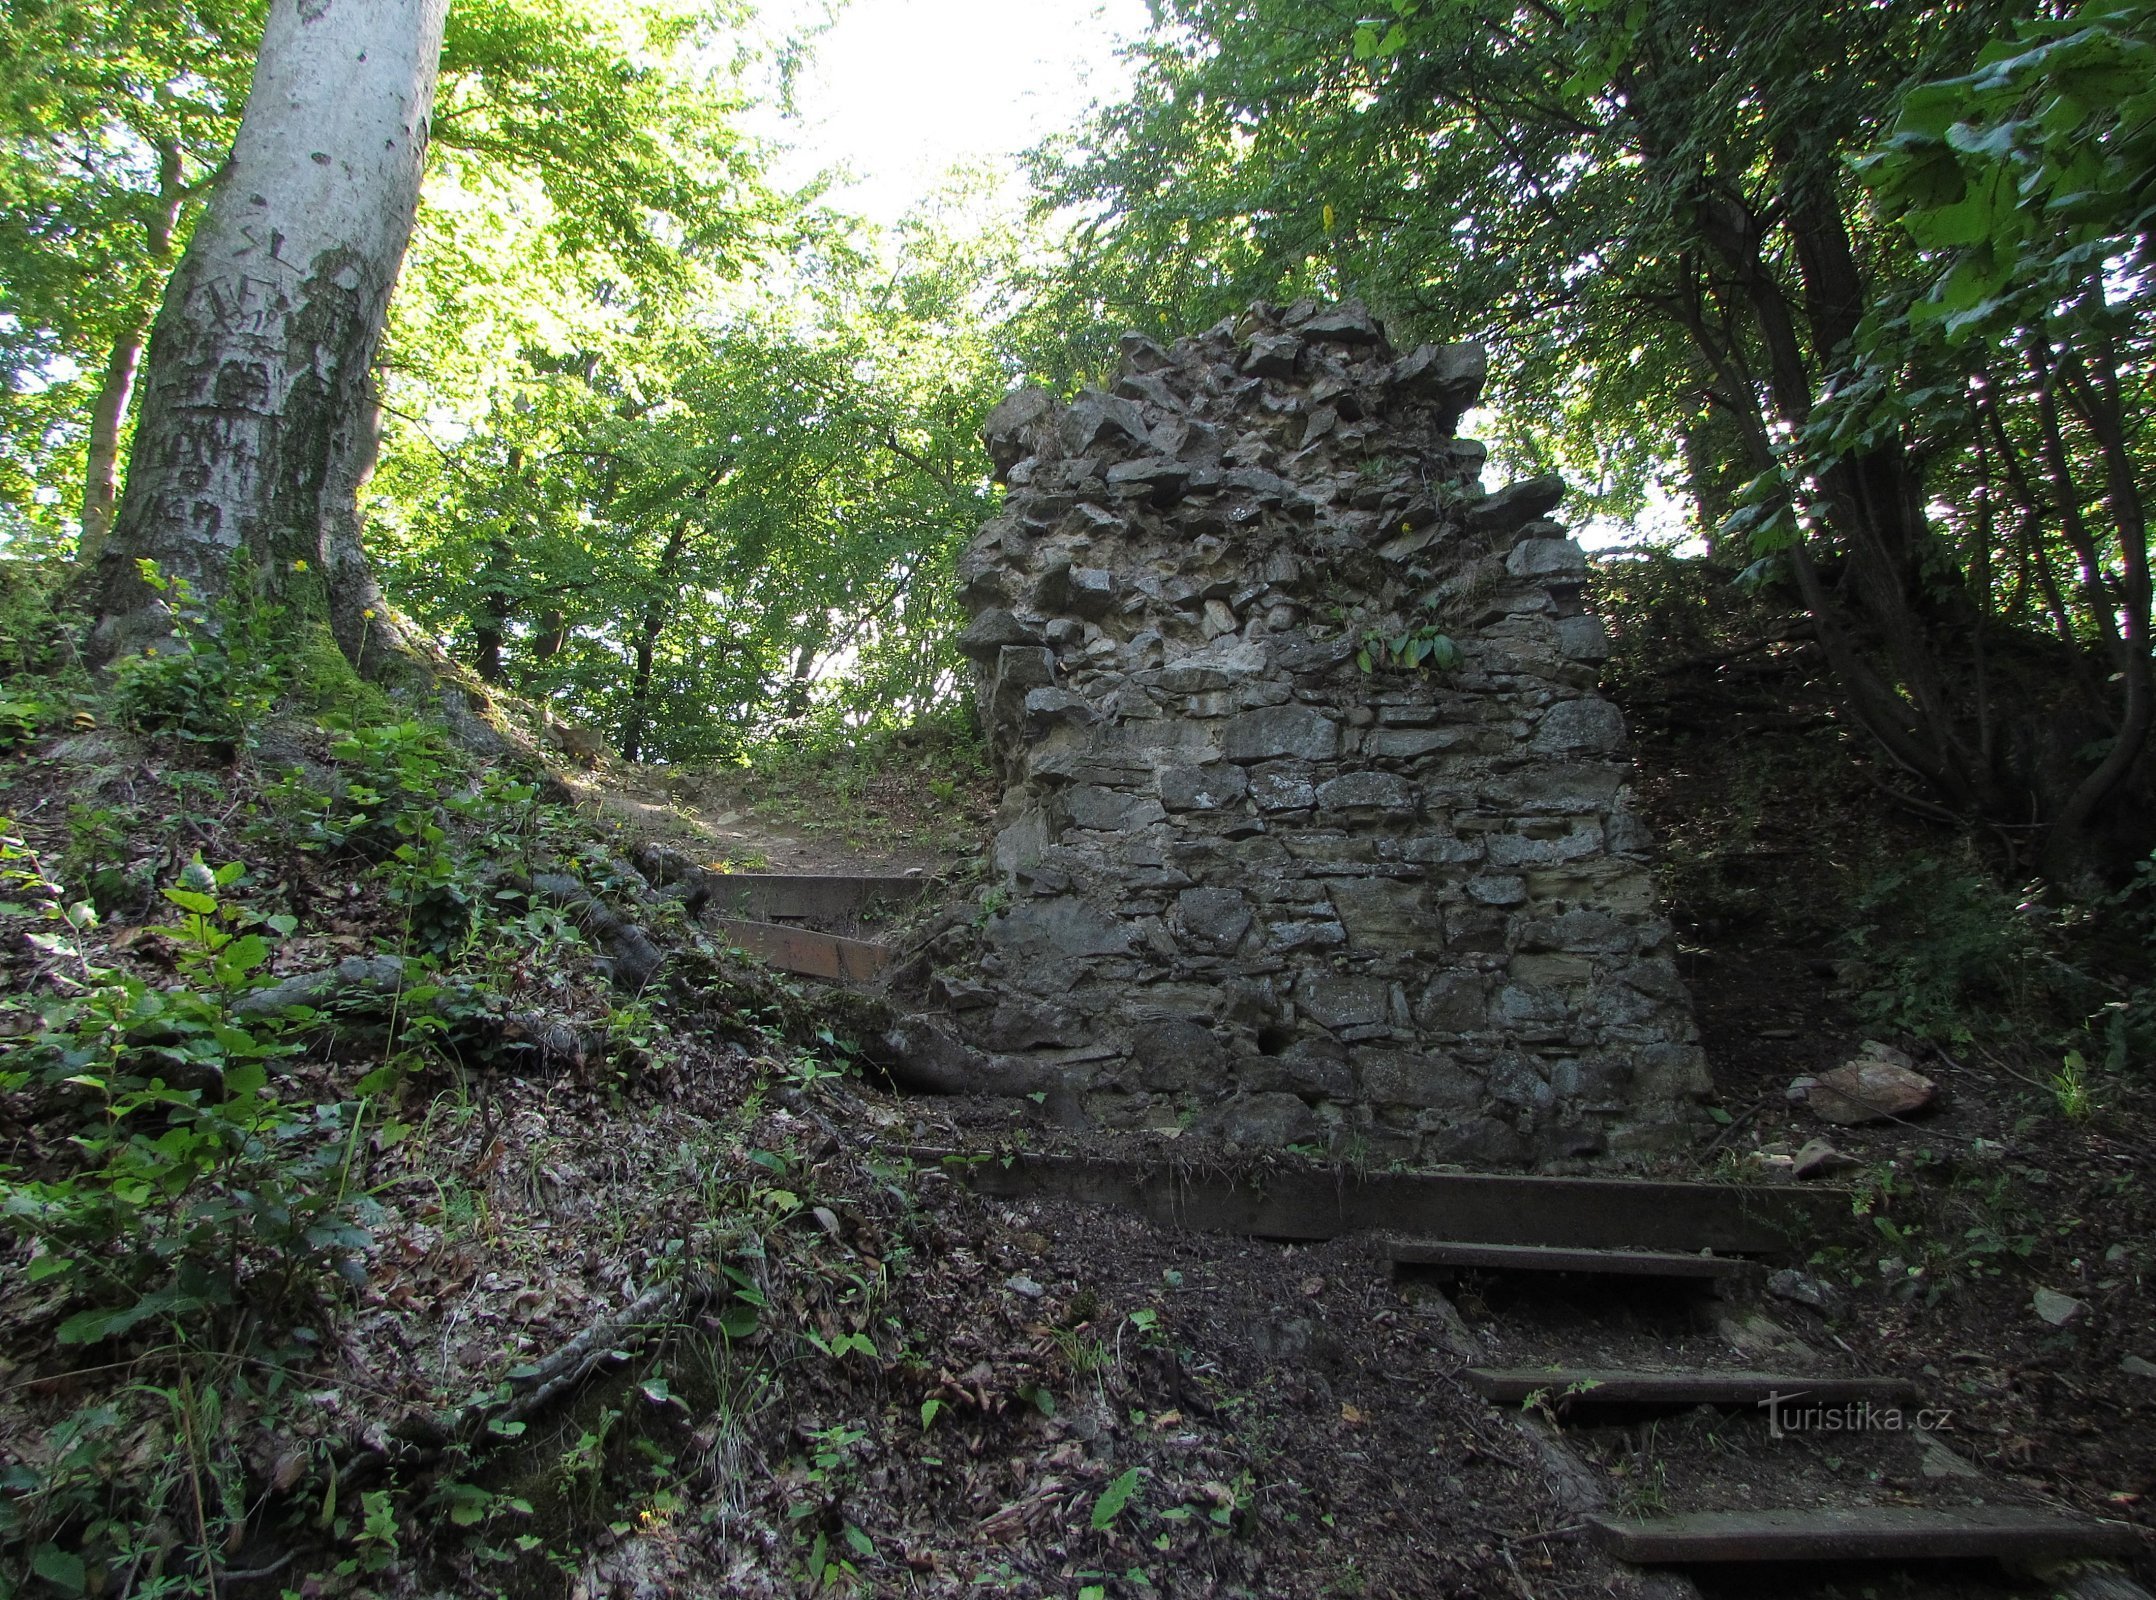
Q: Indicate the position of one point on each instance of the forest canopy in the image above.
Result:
(1858, 294)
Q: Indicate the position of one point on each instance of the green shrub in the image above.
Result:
(197, 1193)
(1949, 952)
(218, 675)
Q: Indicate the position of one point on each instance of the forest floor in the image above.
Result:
(916, 802)
(872, 1380)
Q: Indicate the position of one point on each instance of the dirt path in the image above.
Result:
(838, 816)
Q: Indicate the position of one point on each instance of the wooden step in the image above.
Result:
(803, 896)
(1554, 1258)
(1863, 1533)
(805, 951)
(1282, 1198)
(1569, 1388)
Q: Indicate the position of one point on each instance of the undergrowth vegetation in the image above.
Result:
(275, 973)
(1791, 830)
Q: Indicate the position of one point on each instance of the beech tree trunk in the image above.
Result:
(258, 427)
(108, 413)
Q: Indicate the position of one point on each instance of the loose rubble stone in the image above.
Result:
(1306, 899)
(1874, 1087)
(1819, 1159)
(1806, 1290)
(2060, 1310)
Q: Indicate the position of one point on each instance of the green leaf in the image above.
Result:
(243, 955)
(862, 1544)
(61, 1569)
(1113, 1499)
(929, 1411)
(189, 900)
(1941, 227)
(1932, 108)
(245, 1081)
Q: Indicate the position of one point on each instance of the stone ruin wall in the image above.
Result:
(1403, 913)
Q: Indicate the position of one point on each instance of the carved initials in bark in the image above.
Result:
(257, 426)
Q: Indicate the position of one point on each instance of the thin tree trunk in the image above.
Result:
(115, 391)
(258, 426)
(636, 719)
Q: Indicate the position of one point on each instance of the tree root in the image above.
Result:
(422, 1439)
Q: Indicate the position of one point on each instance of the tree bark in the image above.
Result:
(108, 413)
(258, 427)
(658, 603)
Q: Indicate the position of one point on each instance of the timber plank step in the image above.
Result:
(1571, 1388)
(1862, 1533)
(1555, 1258)
(1286, 1200)
(806, 896)
(806, 952)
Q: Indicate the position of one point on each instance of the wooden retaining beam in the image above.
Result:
(806, 897)
(1556, 1258)
(1578, 1388)
(806, 952)
(1297, 1201)
(1863, 1533)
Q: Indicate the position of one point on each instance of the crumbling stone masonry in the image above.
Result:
(1255, 865)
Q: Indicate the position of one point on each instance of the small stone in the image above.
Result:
(1578, 727)
(1262, 1120)
(1870, 1089)
(1367, 791)
(1207, 788)
(2135, 1367)
(1163, 477)
(1287, 730)
(1818, 1158)
(1940, 1462)
(1216, 919)
(1453, 374)
(1095, 418)
(1516, 505)
(1349, 322)
(1547, 558)
(1583, 638)
(1046, 707)
(991, 631)
(2058, 1309)
(1021, 1284)
(1283, 786)
(1004, 431)
(1272, 355)
(1090, 591)
(1801, 1287)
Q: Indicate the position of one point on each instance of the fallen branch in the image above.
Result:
(419, 1440)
